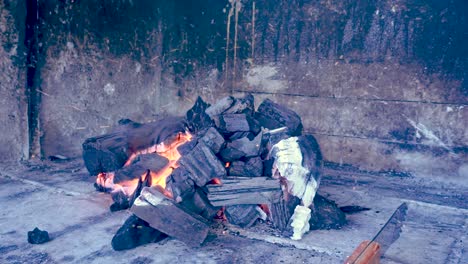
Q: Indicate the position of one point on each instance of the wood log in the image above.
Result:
(243, 215)
(213, 139)
(108, 153)
(253, 167)
(245, 190)
(280, 212)
(166, 216)
(272, 115)
(202, 165)
(140, 166)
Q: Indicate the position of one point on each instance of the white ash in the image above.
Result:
(300, 222)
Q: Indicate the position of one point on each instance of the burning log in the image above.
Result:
(245, 190)
(272, 115)
(253, 167)
(166, 216)
(244, 215)
(110, 152)
(135, 232)
(140, 166)
(202, 165)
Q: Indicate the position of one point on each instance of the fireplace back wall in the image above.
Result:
(382, 85)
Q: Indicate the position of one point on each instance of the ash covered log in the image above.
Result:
(253, 167)
(244, 215)
(202, 165)
(197, 118)
(231, 123)
(140, 166)
(135, 232)
(108, 153)
(245, 190)
(166, 216)
(272, 115)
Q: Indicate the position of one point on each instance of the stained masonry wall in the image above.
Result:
(381, 84)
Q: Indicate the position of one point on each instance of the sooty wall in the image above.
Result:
(381, 84)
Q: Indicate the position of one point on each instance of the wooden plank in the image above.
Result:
(168, 217)
(245, 190)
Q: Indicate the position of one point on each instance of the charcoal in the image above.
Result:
(185, 148)
(180, 184)
(243, 215)
(272, 115)
(352, 209)
(38, 236)
(229, 154)
(276, 135)
(242, 106)
(220, 107)
(231, 123)
(108, 153)
(281, 212)
(213, 140)
(326, 214)
(238, 135)
(202, 165)
(140, 166)
(135, 232)
(252, 168)
(250, 148)
(199, 204)
(121, 201)
(197, 119)
(170, 218)
(245, 190)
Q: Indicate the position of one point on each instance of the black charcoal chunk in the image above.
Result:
(229, 154)
(242, 215)
(197, 119)
(180, 184)
(213, 139)
(252, 168)
(242, 106)
(231, 123)
(238, 135)
(38, 236)
(220, 106)
(121, 201)
(326, 214)
(202, 165)
(250, 148)
(198, 203)
(272, 115)
(135, 232)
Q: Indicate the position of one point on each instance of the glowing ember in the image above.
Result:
(158, 178)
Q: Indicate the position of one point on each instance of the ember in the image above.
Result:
(223, 161)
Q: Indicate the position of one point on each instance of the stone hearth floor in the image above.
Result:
(59, 197)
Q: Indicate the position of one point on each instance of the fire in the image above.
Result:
(158, 178)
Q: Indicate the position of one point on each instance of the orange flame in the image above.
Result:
(157, 178)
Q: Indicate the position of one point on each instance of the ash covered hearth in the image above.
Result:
(226, 162)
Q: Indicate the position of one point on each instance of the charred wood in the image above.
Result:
(135, 232)
(272, 115)
(140, 166)
(243, 215)
(253, 167)
(180, 184)
(245, 190)
(281, 211)
(326, 214)
(231, 123)
(166, 216)
(196, 117)
(199, 204)
(202, 165)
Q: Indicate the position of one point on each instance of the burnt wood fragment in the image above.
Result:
(245, 190)
(272, 115)
(38, 236)
(180, 184)
(230, 154)
(121, 201)
(280, 213)
(108, 153)
(135, 232)
(253, 167)
(231, 123)
(213, 139)
(166, 216)
(243, 215)
(250, 148)
(238, 135)
(199, 204)
(202, 165)
(242, 106)
(326, 214)
(220, 107)
(196, 117)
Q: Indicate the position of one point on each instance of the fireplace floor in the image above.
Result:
(59, 197)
